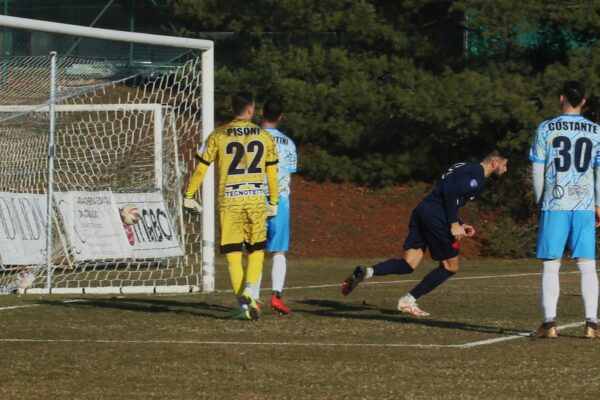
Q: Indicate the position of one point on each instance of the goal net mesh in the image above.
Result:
(127, 126)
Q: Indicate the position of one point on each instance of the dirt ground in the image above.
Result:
(347, 220)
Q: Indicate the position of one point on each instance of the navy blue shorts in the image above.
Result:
(426, 229)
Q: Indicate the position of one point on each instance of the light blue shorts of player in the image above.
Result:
(278, 227)
(556, 227)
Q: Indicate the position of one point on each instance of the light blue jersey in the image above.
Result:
(278, 227)
(569, 147)
(288, 160)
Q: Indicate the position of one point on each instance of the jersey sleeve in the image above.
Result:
(293, 167)
(538, 152)
(272, 156)
(597, 154)
(208, 151)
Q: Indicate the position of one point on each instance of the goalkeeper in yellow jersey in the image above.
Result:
(244, 153)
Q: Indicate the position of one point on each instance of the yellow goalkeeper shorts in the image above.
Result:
(243, 226)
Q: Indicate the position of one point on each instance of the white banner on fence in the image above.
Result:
(93, 225)
(22, 228)
(153, 236)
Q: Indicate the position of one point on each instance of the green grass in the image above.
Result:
(330, 347)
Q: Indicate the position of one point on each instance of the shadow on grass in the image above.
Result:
(155, 306)
(335, 309)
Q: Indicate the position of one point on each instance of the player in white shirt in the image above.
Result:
(278, 227)
(565, 156)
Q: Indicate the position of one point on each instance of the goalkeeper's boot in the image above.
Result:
(353, 280)
(407, 304)
(253, 307)
(239, 314)
(546, 331)
(278, 305)
(591, 330)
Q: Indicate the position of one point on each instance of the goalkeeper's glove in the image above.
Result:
(192, 206)
(271, 210)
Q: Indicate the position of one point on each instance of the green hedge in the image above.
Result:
(381, 92)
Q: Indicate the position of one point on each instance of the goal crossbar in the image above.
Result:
(155, 107)
(100, 33)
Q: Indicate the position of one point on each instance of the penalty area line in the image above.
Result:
(513, 337)
(286, 344)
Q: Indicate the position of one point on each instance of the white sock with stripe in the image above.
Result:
(550, 289)
(589, 288)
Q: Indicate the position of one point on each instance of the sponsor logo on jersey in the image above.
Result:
(580, 191)
(558, 192)
(451, 169)
(243, 189)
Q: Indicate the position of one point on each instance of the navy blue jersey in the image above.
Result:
(456, 187)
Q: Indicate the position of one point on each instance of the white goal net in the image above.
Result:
(98, 130)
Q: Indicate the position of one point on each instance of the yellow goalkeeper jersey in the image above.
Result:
(243, 151)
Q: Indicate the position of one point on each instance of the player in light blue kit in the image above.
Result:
(566, 180)
(278, 227)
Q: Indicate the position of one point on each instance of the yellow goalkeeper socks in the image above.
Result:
(255, 264)
(236, 271)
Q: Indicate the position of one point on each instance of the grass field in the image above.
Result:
(330, 347)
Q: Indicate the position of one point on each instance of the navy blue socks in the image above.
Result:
(432, 280)
(397, 266)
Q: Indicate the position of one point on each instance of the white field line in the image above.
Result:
(285, 344)
(388, 345)
(513, 337)
(36, 305)
(13, 307)
(466, 278)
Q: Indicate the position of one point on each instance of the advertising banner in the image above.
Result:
(154, 235)
(22, 228)
(93, 225)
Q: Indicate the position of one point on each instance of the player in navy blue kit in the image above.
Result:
(435, 223)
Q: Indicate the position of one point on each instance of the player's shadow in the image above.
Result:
(154, 306)
(336, 309)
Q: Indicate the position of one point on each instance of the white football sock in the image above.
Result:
(278, 272)
(550, 289)
(256, 288)
(589, 288)
(369, 273)
(409, 298)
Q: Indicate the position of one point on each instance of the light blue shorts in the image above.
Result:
(556, 227)
(278, 227)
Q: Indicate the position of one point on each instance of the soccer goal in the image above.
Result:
(98, 131)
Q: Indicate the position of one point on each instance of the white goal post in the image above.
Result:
(137, 147)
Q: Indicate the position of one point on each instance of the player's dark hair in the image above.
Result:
(574, 91)
(240, 101)
(494, 155)
(272, 110)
